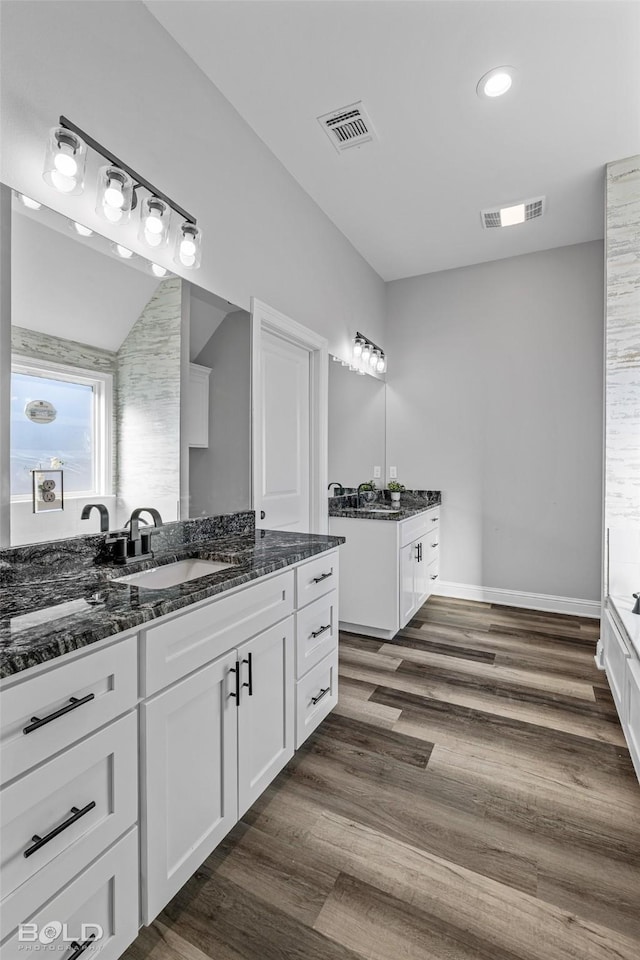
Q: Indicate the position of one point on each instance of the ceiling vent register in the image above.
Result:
(348, 127)
(532, 209)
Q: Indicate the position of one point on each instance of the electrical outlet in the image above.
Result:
(393, 473)
(377, 473)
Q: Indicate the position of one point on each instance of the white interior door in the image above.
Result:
(283, 470)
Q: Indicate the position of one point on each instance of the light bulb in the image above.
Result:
(82, 230)
(28, 202)
(65, 162)
(381, 364)
(357, 346)
(63, 183)
(153, 239)
(123, 252)
(113, 196)
(187, 248)
(112, 214)
(153, 224)
(158, 271)
(366, 353)
(373, 359)
(498, 84)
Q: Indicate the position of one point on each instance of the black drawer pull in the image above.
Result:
(323, 577)
(322, 694)
(434, 576)
(73, 703)
(435, 544)
(316, 633)
(39, 842)
(79, 948)
(236, 695)
(249, 684)
(434, 519)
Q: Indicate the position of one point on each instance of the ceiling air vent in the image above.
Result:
(514, 213)
(348, 127)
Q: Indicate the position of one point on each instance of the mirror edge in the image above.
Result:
(5, 362)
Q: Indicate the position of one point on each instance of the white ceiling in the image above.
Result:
(411, 202)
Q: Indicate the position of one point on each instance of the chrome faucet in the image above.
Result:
(102, 510)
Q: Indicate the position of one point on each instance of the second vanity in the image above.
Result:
(390, 561)
(128, 754)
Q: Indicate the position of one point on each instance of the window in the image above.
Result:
(78, 440)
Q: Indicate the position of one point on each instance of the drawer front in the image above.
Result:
(316, 632)
(74, 699)
(424, 525)
(316, 696)
(433, 573)
(616, 655)
(316, 578)
(178, 646)
(102, 903)
(631, 720)
(78, 804)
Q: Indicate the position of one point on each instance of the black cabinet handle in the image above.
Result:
(323, 577)
(323, 693)
(236, 695)
(434, 519)
(249, 684)
(316, 633)
(435, 544)
(74, 702)
(262, 514)
(39, 842)
(434, 576)
(79, 948)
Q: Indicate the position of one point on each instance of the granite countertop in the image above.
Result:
(52, 604)
(411, 503)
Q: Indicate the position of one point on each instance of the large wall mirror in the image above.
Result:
(357, 418)
(127, 388)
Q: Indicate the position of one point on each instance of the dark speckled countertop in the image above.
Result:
(411, 503)
(58, 597)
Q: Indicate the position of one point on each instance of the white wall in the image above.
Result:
(113, 70)
(494, 396)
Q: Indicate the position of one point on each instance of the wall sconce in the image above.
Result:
(64, 161)
(367, 357)
(116, 197)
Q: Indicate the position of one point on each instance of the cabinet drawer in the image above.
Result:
(631, 720)
(432, 547)
(433, 573)
(101, 771)
(73, 699)
(316, 632)
(102, 903)
(316, 696)
(317, 577)
(178, 646)
(423, 525)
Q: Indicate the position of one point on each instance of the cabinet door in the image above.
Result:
(407, 583)
(198, 406)
(422, 581)
(265, 716)
(189, 778)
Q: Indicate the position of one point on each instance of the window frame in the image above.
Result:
(102, 384)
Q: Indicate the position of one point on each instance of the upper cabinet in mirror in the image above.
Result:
(356, 427)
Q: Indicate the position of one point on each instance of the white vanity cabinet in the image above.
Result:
(621, 662)
(169, 736)
(388, 569)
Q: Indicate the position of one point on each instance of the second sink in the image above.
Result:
(173, 574)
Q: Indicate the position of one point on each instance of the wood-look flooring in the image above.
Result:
(470, 798)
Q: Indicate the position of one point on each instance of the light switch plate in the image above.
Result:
(393, 473)
(377, 473)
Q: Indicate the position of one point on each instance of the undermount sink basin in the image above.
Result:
(172, 574)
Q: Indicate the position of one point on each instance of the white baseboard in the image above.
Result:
(515, 598)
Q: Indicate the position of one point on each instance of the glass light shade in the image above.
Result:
(29, 202)
(65, 160)
(115, 194)
(159, 271)
(188, 246)
(381, 366)
(155, 218)
(123, 252)
(358, 344)
(366, 353)
(373, 359)
(81, 230)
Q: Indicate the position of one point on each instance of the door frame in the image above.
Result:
(265, 319)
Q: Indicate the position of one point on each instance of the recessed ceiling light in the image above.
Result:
(28, 202)
(496, 82)
(511, 215)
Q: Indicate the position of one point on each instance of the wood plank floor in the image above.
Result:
(470, 798)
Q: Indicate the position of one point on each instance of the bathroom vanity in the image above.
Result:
(140, 723)
(390, 561)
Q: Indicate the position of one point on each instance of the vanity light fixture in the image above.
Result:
(28, 202)
(495, 83)
(367, 357)
(117, 196)
(64, 161)
(123, 252)
(187, 252)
